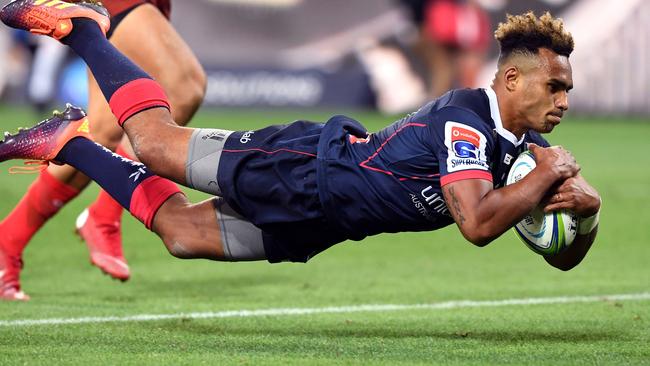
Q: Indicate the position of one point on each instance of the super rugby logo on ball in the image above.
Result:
(544, 233)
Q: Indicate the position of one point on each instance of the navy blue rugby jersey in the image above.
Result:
(390, 181)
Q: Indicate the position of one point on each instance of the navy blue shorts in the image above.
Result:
(269, 177)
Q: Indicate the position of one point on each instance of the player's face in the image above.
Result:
(544, 96)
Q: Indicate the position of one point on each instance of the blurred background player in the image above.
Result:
(453, 40)
(47, 62)
(141, 30)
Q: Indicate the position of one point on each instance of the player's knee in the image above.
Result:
(154, 155)
(173, 238)
(181, 245)
(176, 248)
(145, 152)
(151, 141)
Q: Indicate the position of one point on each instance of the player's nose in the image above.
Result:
(562, 101)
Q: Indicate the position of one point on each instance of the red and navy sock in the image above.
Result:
(128, 89)
(105, 209)
(130, 183)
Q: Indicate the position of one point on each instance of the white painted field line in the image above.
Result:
(329, 310)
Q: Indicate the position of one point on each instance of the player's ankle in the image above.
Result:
(83, 29)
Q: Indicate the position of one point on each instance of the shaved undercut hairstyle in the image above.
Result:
(525, 34)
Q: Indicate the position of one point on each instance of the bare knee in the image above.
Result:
(151, 133)
(183, 246)
(189, 230)
(169, 226)
(176, 247)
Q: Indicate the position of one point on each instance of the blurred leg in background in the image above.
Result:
(143, 33)
(46, 66)
(457, 35)
(452, 41)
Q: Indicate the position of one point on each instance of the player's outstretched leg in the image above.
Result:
(47, 194)
(188, 231)
(146, 37)
(132, 94)
(65, 139)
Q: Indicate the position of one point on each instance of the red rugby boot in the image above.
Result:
(52, 17)
(104, 241)
(10, 267)
(47, 138)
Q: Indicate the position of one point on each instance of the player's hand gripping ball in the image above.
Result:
(544, 233)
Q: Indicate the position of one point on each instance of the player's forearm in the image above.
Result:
(498, 209)
(501, 208)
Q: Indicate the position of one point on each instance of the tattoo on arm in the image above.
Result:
(455, 205)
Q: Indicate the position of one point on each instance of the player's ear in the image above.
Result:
(511, 77)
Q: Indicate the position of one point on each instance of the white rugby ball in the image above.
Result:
(544, 233)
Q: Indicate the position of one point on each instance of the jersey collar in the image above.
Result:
(496, 117)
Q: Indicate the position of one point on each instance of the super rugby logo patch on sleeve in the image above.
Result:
(465, 147)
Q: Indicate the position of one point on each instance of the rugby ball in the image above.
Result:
(544, 233)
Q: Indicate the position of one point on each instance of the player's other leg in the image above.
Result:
(140, 102)
(142, 33)
(145, 36)
(132, 94)
(209, 229)
(47, 194)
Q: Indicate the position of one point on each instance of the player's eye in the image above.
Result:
(554, 88)
(558, 87)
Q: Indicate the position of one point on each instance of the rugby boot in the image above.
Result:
(10, 267)
(46, 139)
(104, 242)
(52, 17)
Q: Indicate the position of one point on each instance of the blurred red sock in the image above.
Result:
(43, 199)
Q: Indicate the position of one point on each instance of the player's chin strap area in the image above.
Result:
(588, 224)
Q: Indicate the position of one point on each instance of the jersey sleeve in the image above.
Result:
(463, 144)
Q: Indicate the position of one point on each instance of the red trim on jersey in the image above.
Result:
(364, 164)
(270, 152)
(136, 96)
(149, 196)
(465, 174)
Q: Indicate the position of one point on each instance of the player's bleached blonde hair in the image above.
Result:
(526, 34)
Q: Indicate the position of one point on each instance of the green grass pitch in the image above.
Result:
(404, 269)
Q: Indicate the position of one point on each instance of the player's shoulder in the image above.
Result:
(461, 105)
(475, 100)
